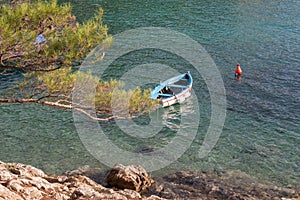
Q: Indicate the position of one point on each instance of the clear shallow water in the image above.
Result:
(261, 136)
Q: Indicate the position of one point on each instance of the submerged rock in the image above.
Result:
(206, 186)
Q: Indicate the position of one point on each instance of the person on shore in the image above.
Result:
(238, 72)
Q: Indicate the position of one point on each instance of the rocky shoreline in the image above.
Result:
(20, 182)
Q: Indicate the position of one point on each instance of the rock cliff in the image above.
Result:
(22, 182)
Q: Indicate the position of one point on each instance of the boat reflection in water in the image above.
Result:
(175, 117)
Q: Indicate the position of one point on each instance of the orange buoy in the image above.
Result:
(238, 71)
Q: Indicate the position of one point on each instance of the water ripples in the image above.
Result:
(261, 132)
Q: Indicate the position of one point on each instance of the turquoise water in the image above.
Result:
(261, 135)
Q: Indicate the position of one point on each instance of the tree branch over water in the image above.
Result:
(42, 42)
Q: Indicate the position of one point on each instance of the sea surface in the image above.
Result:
(261, 133)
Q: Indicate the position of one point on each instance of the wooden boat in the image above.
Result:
(174, 90)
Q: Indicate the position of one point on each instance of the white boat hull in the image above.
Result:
(174, 90)
(178, 99)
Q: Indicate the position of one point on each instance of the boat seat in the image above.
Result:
(177, 86)
(165, 95)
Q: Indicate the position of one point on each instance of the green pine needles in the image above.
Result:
(65, 40)
(44, 40)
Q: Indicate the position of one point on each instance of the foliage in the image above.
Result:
(51, 77)
(108, 99)
(66, 41)
(133, 102)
